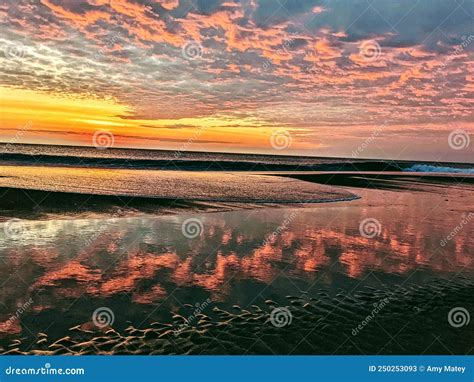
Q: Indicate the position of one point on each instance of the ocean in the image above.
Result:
(185, 160)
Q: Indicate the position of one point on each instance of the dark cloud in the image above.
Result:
(401, 23)
(76, 6)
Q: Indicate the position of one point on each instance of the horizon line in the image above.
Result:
(226, 153)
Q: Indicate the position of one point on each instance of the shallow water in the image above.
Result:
(315, 261)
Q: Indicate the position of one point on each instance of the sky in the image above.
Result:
(344, 78)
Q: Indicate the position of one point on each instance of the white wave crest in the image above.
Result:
(430, 168)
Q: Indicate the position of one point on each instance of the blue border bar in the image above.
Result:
(238, 368)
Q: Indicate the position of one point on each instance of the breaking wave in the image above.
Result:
(430, 168)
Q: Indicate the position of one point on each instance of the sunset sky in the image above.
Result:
(385, 79)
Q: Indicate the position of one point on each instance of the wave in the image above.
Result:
(430, 168)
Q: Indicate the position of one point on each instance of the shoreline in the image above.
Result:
(40, 191)
(27, 203)
(389, 181)
(79, 205)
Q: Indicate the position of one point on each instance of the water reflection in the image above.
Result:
(147, 268)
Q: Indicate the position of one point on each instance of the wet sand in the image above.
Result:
(36, 192)
(326, 324)
(177, 185)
